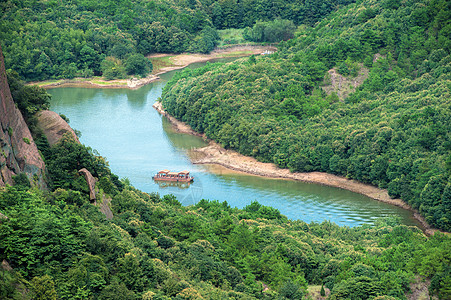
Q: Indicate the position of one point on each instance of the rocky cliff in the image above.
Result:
(19, 153)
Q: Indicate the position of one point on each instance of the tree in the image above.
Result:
(112, 68)
(89, 59)
(29, 99)
(274, 31)
(43, 288)
(137, 64)
(322, 292)
(291, 290)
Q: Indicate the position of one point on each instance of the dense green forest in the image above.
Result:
(65, 39)
(60, 246)
(393, 131)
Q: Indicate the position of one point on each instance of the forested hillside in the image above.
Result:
(56, 244)
(64, 39)
(393, 131)
(61, 247)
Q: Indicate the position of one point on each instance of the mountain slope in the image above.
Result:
(393, 131)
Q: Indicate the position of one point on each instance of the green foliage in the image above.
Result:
(21, 181)
(67, 157)
(138, 64)
(10, 283)
(273, 31)
(55, 40)
(356, 288)
(155, 247)
(43, 288)
(391, 132)
(112, 68)
(29, 99)
(37, 234)
(231, 37)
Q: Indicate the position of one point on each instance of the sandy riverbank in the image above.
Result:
(132, 83)
(217, 155)
(180, 61)
(174, 61)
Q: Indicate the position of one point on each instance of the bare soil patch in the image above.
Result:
(419, 289)
(132, 83)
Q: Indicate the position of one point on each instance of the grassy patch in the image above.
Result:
(161, 62)
(236, 53)
(49, 82)
(231, 37)
(314, 291)
(114, 82)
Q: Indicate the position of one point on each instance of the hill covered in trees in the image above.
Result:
(393, 131)
(56, 244)
(64, 39)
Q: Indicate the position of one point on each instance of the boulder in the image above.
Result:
(53, 126)
(91, 181)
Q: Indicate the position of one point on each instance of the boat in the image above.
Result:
(166, 175)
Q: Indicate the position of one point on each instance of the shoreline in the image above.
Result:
(132, 83)
(183, 60)
(214, 154)
(179, 61)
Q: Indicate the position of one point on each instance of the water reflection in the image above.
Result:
(166, 184)
(179, 140)
(137, 98)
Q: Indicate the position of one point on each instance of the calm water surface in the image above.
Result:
(122, 126)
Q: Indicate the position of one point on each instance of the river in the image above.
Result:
(137, 141)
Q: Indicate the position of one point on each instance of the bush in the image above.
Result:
(137, 64)
(112, 68)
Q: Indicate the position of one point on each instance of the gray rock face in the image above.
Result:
(19, 153)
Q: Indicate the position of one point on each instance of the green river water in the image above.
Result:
(137, 142)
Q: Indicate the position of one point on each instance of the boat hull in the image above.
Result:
(173, 179)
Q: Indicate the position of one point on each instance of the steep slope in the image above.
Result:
(53, 126)
(393, 131)
(19, 152)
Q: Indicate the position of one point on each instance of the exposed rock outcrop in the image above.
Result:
(105, 207)
(5, 266)
(104, 202)
(342, 85)
(19, 153)
(53, 126)
(2, 216)
(91, 181)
